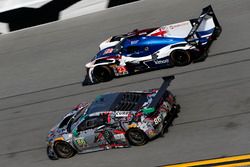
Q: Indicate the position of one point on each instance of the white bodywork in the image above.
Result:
(177, 30)
(107, 43)
(190, 36)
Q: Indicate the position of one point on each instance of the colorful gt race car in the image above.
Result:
(177, 44)
(114, 120)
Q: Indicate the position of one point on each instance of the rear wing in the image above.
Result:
(206, 14)
(159, 95)
(161, 91)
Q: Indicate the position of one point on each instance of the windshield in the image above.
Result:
(110, 51)
(74, 119)
(118, 47)
(65, 121)
(105, 102)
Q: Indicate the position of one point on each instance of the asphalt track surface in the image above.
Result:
(41, 70)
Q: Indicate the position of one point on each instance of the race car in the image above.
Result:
(177, 44)
(114, 120)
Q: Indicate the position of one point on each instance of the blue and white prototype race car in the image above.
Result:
(177, 44)
(114, 120)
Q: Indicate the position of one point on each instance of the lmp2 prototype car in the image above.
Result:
(177, 44)
(114, 120)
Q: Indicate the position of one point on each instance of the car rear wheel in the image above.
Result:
(217, 32)
(102, 74)
(180, 57)
(137, 137)
(64, 150)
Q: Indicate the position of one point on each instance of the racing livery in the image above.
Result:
(114, 120)
(177, 44)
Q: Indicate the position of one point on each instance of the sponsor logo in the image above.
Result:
(119, 136)
(161, 32)
(161, 61)
(133, 125)
(80, 142)
(107, 51)
(122, 113)
(178, 25)
(120, 70)
(134, 42)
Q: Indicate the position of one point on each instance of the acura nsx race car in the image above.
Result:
(114, 120)
(177, 44)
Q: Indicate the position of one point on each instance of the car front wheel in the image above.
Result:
(64, 150)
(102, 74)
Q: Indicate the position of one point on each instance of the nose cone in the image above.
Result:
(106, 53)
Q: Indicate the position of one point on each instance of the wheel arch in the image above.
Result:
(109, 70)
(137, 129)
(62, 141)
(184, 51)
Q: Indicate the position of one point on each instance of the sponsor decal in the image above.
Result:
(107, 51)
(151, 133)
(159, 33)
(158, 119)
(143, 126)
(80, 142)
(161, 61)
(178, 25)
(133, 125)
(167, 105)
(121, 70)
(119, 136)
(122, 113)
(134, 42)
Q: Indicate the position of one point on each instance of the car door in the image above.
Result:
(87, 132)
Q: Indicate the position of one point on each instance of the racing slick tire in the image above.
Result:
(168, 121)
(64, 149)
(103, 74)
(136, 137)
(51, 155)
(217, 33)
(180, 57)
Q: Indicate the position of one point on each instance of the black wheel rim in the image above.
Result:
(181, 59)
(136, 136)
(64, 150)
(101, 74)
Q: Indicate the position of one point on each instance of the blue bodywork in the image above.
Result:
(139, 46)
(154, 48)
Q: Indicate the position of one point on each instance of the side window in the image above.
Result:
(81, 126)
(65, 121)
(91, 123)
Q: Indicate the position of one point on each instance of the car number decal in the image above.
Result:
(157, 120)
(81, 142)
